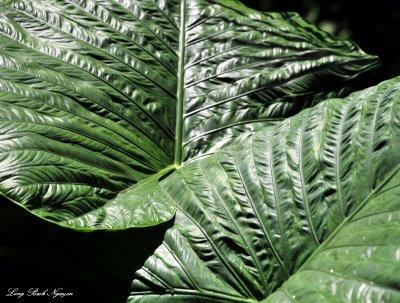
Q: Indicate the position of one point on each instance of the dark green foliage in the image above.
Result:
(195, 132)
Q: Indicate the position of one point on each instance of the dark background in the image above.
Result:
(373, 25)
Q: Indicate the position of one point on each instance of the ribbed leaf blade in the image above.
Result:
(251, 215)
(142, 205)
(97, 95)
(245, 68)
(361, 262)
(86, 107)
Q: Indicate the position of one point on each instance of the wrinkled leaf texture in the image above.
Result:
(99, 99)
(313, 201)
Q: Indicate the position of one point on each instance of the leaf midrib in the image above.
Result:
(180, 88)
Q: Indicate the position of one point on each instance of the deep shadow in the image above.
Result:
(96, 267)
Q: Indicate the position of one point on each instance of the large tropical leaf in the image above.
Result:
(97, 96)
(252, 214)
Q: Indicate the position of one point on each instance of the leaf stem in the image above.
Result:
(180, 88)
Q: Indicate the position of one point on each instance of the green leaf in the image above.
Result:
(244, 69)
(142, 205)
(360, 261)
(251, 215)
(98, 96)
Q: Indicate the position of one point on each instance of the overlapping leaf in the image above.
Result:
(97, 96)
(251, 215)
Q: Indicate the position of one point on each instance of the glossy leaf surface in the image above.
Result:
(97, 96)
(361, 262)
(249, 216)
(244, 67)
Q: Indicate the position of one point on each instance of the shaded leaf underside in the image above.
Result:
(89, 92)
(251, 215)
